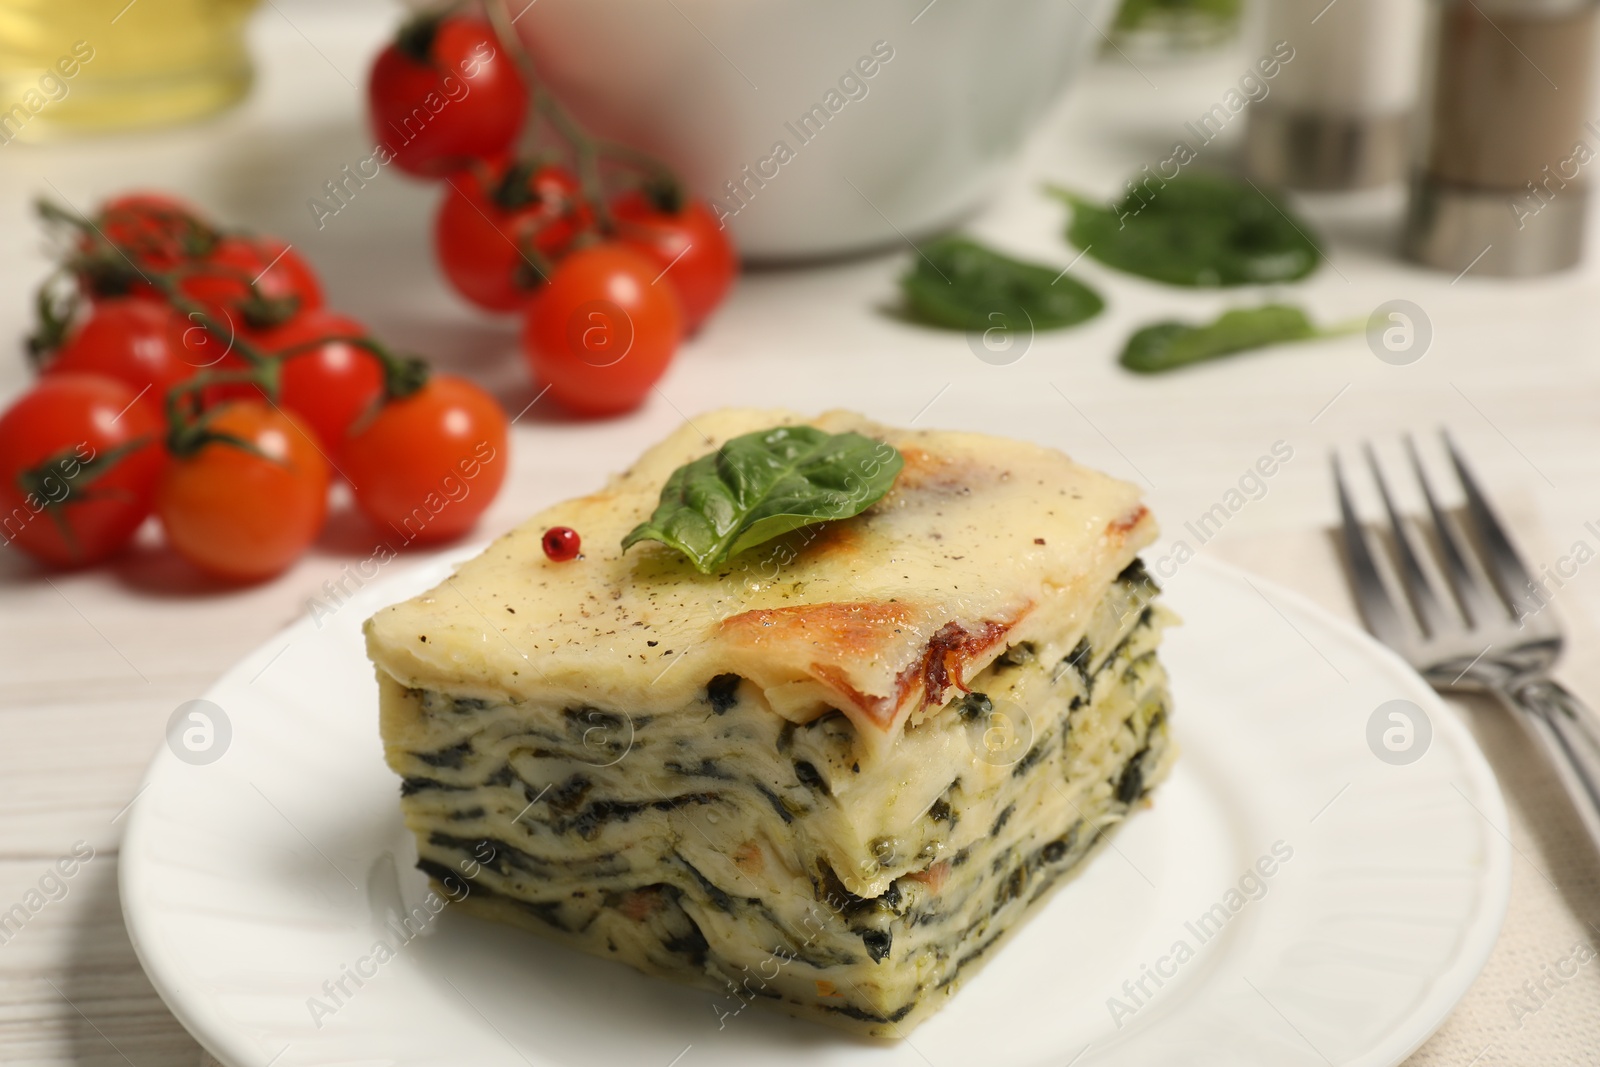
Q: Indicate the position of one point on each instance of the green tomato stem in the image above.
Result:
(588, 150)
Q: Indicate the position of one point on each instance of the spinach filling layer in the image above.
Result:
(723, 842)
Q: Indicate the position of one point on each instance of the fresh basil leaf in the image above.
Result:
(1197, 229)
(1168, 345)
(762, 485)
(960, 284)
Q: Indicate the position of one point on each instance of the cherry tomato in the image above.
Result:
(283, 283)
(427, 465)
(157, 230)
(79, 458)
(243, 515)
(599, 334)
(689, 246)
(444, 93)
(492, 216)
(327, 385)
(140, 342)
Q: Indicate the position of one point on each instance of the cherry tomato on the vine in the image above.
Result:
(599, 333)
(159, 231)
(689, 246)
(444, 93)
(79, 459)
(498, 221)
(245, 514)
(252, 283)
(427, 465)
(139, 341)
(329, 385)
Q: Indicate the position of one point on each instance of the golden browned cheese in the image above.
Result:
(982, 543)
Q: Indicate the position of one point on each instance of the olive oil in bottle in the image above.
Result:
(84, 66)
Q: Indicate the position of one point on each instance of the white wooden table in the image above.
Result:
(92, 664)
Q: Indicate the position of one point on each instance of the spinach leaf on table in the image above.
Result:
(1197, 229)
(1133, 13)
(960, 284)
(762, 485)
(1169, 345)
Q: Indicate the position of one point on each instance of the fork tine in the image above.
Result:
(1504, 565)
(1372, 596)
(1429, 611)
(1478, 603)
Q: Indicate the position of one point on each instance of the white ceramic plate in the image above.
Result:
(255, 885)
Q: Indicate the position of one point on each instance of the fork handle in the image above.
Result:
(1570, 735)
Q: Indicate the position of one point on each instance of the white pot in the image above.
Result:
(714, 87)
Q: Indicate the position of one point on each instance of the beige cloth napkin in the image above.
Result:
(1537, 1001)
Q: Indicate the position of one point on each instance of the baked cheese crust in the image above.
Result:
(982, 543)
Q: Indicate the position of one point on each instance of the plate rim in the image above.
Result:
(1480, 936)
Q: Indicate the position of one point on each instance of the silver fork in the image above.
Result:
(1485, 632)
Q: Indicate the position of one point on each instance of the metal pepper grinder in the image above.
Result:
(1501, 185)
(1338, 117)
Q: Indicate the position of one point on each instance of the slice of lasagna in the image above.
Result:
(832, 773)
